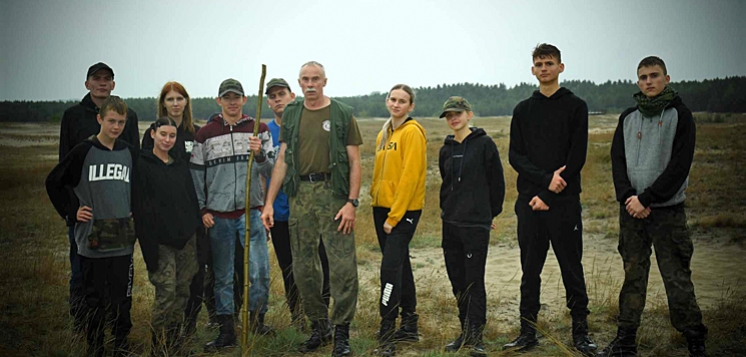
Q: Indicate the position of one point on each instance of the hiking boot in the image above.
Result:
(580, 338)
(474, 341)
(455, 345)
(527, 339)
(321, 335)
(341, 340)
(387, 347)
(408, 329)
(257, 324)
(695, 340)
(227, 336)
(623, 345)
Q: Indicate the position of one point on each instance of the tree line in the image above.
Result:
(709, 95)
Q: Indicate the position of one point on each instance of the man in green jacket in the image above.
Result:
(319, 169)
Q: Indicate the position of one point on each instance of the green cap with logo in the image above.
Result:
(276, 82)
(230, 85)
(455, 104)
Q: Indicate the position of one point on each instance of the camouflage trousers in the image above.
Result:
(312, 212)
(667, 232)
(171, 280)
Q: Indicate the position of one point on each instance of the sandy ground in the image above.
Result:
(716, 268)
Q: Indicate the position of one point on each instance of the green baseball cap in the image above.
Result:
(230, 85)
(455, 104)
(277, 82)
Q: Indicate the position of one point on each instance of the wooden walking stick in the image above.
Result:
(247, 218)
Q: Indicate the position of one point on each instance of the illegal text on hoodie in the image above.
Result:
(101, 179)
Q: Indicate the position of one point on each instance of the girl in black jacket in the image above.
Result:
(174, 102)
(166, 220)
(471, 196)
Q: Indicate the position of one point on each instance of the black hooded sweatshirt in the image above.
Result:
(547, 133)
(473, 186)
(184, 142)
(166, 209)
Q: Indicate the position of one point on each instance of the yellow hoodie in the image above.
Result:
(399, 171)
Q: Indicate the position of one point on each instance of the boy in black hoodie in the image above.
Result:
(548, 144)
(471, 196)
(97, 172)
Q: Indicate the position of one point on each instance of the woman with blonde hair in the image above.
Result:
(398, 196)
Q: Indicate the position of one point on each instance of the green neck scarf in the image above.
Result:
(654, 106)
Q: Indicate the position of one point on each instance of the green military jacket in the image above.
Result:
(339, 165)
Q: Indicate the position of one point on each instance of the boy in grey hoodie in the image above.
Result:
(651, 155)
(98, 171)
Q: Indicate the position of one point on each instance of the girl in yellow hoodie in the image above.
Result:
(398, 195)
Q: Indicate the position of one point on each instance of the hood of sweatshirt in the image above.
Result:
(119, 144)
(148, 155)
(460, 153)
(412, 123)
(475, 133)
(88, 103)
(557, 95)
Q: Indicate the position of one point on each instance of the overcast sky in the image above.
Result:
(366, 46)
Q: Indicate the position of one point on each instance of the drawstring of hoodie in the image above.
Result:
(461, 164)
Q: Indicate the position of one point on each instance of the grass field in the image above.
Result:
(35, 272)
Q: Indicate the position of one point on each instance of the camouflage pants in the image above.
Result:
(666, 230)
(312, 212)
(171, 280)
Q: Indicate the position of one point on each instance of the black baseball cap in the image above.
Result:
(98, 66)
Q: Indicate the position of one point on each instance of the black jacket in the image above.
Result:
(166, 209)
(547, 133)
(183, 150)
(79, 123)
(184, 142)
(473, 186)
